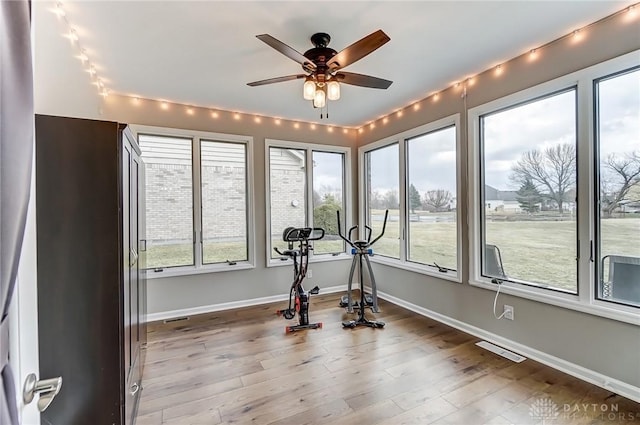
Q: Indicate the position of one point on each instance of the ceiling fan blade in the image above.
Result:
(362, 80)
(289, 52)
(358, 50)
(276, 80)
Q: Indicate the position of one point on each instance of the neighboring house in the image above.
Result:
(501, 200)
(169, 171)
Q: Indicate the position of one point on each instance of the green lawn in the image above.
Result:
(543, 252)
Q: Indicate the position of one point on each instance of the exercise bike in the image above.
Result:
(361, 250)
(298, 297)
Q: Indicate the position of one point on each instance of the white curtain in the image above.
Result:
(16, 148)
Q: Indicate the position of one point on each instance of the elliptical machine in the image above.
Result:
(298, 297)
(361, 250)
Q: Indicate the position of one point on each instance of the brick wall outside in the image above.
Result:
(287, 187)
(169, 200)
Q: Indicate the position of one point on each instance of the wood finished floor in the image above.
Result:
(239, 367)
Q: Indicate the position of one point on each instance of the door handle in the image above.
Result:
(47, 388)
(134, 389)
(133, 254)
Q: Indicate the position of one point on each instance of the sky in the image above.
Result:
(511, 132)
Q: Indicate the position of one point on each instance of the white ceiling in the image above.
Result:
(204, 53)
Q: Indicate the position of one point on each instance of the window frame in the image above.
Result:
(402, 139)
(586, 298)
(308, 148)
(196, 137)
(482, 183)
(596, 180)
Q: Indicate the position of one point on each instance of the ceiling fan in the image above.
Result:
(323, 66)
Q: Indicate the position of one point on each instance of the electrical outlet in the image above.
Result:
(508, 312)
(309, 273)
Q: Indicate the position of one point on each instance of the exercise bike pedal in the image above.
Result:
(288, 314)
(315, 291)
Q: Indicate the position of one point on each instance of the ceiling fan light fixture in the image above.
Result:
(333, 90)
(309, 89)
(319, 99)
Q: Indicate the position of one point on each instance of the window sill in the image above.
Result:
(191, 270)
(323, 258)
(449, 275)
(572, 302)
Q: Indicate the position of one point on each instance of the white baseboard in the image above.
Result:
(619, 387)
(186, 312)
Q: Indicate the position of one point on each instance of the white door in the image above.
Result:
(23, 334)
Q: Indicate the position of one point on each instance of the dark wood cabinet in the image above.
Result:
(91, 285)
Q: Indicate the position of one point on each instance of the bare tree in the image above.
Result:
(553, 171)
(437, 200)
(391, 199)
(619, 175)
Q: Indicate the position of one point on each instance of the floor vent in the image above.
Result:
(501, 351)
(175, 319)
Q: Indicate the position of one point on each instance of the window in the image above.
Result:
(555, 191)
(383, 193)
(618, 187)
(528, 187)
(169, 200)
(224, 201)
(433, 232)
(301, 196)
(414, 175)
(328, 197)
(198, 201)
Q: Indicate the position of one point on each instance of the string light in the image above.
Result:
(83, 56)
(73, 37)
(59, 11)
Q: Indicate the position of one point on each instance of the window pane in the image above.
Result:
(383, 192)
(529, 193)
(328, 185)
(287, 180)
(169, 197)
(432, 198)
(618, 121)
(224, 201)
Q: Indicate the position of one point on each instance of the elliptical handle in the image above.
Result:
(340, 231)
(384, 226)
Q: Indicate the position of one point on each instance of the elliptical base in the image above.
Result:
(362, 322)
